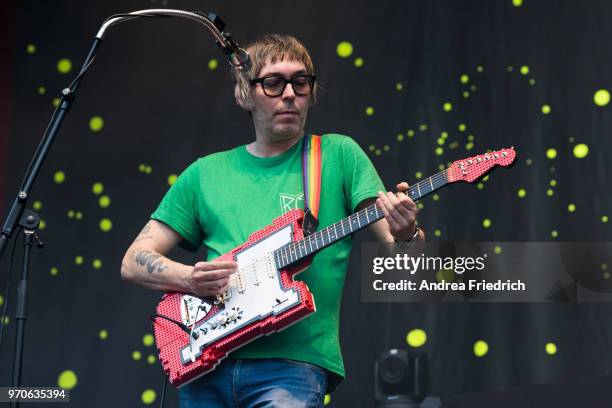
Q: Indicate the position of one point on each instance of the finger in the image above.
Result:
(222, 290)
(210, 266)
(212, 285)
(393, 206)
(212, 275)
(403, 186)
(390, 220)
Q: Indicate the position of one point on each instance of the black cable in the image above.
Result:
(163, 395)
(179, 324)
(6, 290)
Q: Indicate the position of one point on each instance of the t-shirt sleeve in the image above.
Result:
(179, 208)
(361, 180)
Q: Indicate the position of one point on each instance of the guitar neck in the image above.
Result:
(297, 251)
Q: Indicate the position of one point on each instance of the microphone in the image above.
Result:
(238, 57)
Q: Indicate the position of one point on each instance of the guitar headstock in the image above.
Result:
(473, 168)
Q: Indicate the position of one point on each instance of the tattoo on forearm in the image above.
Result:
(151, 261)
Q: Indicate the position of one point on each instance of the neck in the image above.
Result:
(267, 147)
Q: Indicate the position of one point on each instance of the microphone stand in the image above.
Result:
(28, 220)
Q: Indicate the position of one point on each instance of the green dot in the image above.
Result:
(529, 161)
(604, 267)
(78, 215)
(97, 188)
(418, 175)
(486, 223)
(6, 320)
(553, 182)
(148, 340)
(386, 148)
(423, 127)
(369, 111)
(532, 81)
(67, 380)
(148, 396)
(604, 218)
(601, 97)
(172, 179)
(440, 141)
(103, 334)
(64, 66)
(464, 79)
(521, 193)
(606, 275)
(524, 70)
(344, 49)
(435, 197)
(480, 68)
(70, 213)
(510, 68)
(416, 338)
(78, 260)
(470, 138)
(327, 399)
(54, 271)
(151, 359)
(136, 355)
(213, 64)
(447, 106)
(571, 207)
(106, 224)
(466, 94)
(43, 224)
(55, 102)
(410, 133)
(441, 167)
(30, 48)
(550, 192)
(469, 146)
(420, 205)
(37, 205)
(104, 201)
(41, 90)
(358, 62)
(486, 178)
(554, 234)
(551, 153)
(581, 150)
(480, 186)
(546, 109)
(1, 300)
(372, 148)
(96, 263)
(59, 177)
(437, 233)
(444, 135)
(377, 152)
(551, 348)
(497, 249)
(399, 86)
(481, 348)
(462, 127)
(439, 151)
(400, 137)
(96, 123)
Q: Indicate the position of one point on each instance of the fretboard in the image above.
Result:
(297, 251)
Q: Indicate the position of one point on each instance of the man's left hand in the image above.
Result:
(400, 212)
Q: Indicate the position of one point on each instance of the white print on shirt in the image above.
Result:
(290, 202)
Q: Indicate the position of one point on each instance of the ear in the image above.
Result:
(242, 99)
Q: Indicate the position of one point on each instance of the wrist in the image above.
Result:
(413, 238)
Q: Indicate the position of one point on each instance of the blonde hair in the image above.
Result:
(270, 48)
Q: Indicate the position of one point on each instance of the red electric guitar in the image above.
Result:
(194, 334)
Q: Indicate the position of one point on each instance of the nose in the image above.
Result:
(288, 92)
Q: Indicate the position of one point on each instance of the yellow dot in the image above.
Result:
(444, 135)
(606, 275)
(386, 148)
(551, 348)
(70, 214)
(510, 68)
(78, 260)
(532, 81)
(601, 97)
(481, 348)
(400, 137)
(151, 359)
(480, 186)
(441, 167)
(464, 79)
(78, 215)
(358, 62)
(104, 201)
(96, 123)
(55, 102)
(469, 146)
(148, 340)
(399, 86)
(106, 224)
(344, 49)
(546, 109)
(486, 223)
(97, 188)
(148, 396)
(416, 338)
(410, 133)
(369, 111)
(524, 70)
(604, 218)
(550, 192)
(64, 66)
(521, 193)
(447, 106)
(462, 127)
(53, 271)
(571, 207)
(581, 150)
(42, 90)
(6, 320)
(377, 152)
(213, 64)
(480, 68)
(439, 151)
(553, 182)
(136, 355)
(96, 263)
(497, 249)
(59, 177)
(551, 153)
(37, 205)
(418, 175)
(435, 197)
(517, 3)
(372, 148)
(43, 224)
(30, 48)
(1, 300)
(470, 138)
(466, 94)
(554, 234)
(423, 127)
(420, 205)
(67, 380)
(327, 399)
(103, 334)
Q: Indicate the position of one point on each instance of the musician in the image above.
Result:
(220, 199)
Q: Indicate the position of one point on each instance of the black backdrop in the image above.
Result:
(162, 106)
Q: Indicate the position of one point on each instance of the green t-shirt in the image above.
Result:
(220, 199)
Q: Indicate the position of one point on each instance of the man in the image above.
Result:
(221, 198)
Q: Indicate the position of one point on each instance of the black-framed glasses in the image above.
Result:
(275, 86)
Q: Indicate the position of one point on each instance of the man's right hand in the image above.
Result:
(210, 278)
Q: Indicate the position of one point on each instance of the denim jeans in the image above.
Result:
(257, 383)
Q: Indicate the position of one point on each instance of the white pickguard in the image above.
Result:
(255, 293)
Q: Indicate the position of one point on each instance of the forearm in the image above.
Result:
(150, 269)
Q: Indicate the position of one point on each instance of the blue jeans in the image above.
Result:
(257, 383)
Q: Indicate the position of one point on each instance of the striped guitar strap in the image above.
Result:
(311, 176)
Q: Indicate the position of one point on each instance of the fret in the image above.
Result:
(367, 215)
(328, 236)
(310, 242)
(336, 231)
(342, 226)
(419, 188)
(431, 182)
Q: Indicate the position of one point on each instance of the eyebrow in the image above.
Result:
(279, 74)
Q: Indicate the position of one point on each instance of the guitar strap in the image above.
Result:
(311, 176)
